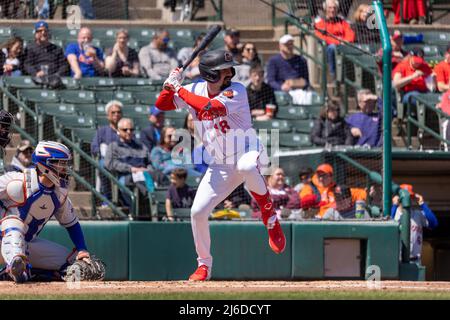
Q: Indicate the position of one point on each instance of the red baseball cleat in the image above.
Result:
(277, 240)
(201, 274)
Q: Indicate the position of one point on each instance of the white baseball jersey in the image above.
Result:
(224, 137)
(418, 221)
(22, 194)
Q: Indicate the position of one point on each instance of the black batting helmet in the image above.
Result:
(211, 62)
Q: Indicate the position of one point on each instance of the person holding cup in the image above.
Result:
(261, 97)
(84, 58)
(43, 58)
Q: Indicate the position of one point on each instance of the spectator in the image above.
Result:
(121, 60)
(129, 159)
(250, 54)
(305, 175)
(238, 199)
(442, 71)
(333, 29)
(43, 58)
(233, 43)
(22, 158)
(421, 216)
(365, 32)
(11, 57)
(288, 72)
(283, 196)
(350, 203)
(192, 71)
(260, 94)
(413, 76)
(248, 57)
(365, 125)
(179, 195)
(161, 155)
(330, 128)
(316, 5)
(151, 135)
(5, 8)
(157, 59)
(319, 196)
(85, 60)
(104, 136)
(444, 106)
(398, 53)
(413, 11)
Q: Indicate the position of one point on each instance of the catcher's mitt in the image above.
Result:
(80, 270)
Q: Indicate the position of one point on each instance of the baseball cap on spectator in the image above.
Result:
(397, 35)
(232, 32)
(24, 145)
(342, 192)
(325, 168)
(409, 188)
(154, 111)
(40, 24)
(286, 38)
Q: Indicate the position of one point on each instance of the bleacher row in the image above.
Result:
(106, 37)
(81, 107)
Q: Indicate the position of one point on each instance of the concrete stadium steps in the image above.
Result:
(138, 9)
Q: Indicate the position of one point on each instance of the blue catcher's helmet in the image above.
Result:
(53, 160)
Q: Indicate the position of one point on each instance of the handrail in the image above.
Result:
(410, 120)
(102, 170)
(19, 102)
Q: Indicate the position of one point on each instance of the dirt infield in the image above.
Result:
(126, 288)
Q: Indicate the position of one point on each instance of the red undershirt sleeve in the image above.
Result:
(200, 103)
(165, 101)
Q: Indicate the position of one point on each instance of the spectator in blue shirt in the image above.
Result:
(85, 60)
(287, 71)
(104, 136)
(365, 126)
(151, 135)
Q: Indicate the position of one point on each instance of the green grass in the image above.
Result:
(312, 295)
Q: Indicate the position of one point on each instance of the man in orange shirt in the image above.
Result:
(413, 76)
(332, 29)
(320, 194)
(442, 71)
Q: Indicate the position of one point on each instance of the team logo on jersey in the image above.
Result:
(229, 94)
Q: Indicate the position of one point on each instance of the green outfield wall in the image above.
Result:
(165, 251)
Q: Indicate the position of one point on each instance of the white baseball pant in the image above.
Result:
(217, 184)
(44, 254)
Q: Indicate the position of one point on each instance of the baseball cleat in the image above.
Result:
(203, 273)
(277, 240)
(18, 269)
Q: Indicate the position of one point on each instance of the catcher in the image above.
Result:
(28, 200)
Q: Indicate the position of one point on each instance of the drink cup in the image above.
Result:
(270, 109)
(44, 69)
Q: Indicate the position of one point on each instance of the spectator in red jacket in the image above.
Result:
(413, 76)
(442, 71)
(333, 29)
(413, 11)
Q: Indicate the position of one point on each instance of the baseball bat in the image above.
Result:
(209, 37)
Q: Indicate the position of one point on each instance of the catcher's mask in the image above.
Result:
(211, 62)
(6, 119)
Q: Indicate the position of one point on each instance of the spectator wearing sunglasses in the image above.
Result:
(128, 159)
(250, 54)
(157, 59)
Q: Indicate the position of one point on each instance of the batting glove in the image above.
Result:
(173, 82)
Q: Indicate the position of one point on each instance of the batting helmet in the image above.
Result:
(213, 61)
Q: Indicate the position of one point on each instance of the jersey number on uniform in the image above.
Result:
(223, 126)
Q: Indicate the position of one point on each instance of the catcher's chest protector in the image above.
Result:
(32, 202)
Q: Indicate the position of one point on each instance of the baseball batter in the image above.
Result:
(27, 201)
(222, 119)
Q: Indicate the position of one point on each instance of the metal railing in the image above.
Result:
(78, 178)
(321, 61)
